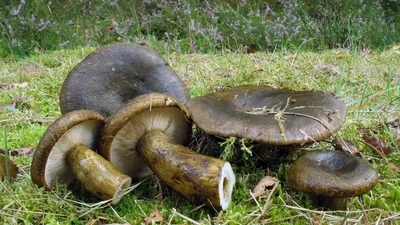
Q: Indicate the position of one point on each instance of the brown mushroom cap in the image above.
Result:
(332, 174)
(267, 115)
(130, 122)
(112, 75)
(80, 127)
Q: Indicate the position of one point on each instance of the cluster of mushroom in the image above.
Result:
(145, 129)
(148, 121)
(289, 118)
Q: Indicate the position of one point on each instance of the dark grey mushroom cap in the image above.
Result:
(267, 115)
(114, 74)
(333, 174)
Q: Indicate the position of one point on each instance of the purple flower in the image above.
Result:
(15, 11)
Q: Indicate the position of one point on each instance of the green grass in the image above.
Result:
(368, 83)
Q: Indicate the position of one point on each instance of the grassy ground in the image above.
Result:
(368, 82)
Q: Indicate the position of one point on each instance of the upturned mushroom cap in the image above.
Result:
(81, 127)
(267, 115)
(332, 174)
(130, 122)
(112, 75)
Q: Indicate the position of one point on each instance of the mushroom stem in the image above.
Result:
(332, 203)
(199, 178)
(99, 176)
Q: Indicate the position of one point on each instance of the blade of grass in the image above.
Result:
(6, 156)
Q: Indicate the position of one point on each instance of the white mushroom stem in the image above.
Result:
(198, 178)
(99, 176)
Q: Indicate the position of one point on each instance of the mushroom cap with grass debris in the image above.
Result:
(270, 116)
(333, 174)
(114, 74)
(148, 133)
(64, 154)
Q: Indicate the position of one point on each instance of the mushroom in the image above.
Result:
(116, 73)
(332, 176)
(150, 129)
(12, 168)
(270, 116)
(64, 153)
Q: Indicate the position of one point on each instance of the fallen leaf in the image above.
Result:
(377, 144)
(346, 146)
(154, 216)
(19, 151)
(250, 50)
(12, 168)
(394, 167)
(265, 182)
(316, 221)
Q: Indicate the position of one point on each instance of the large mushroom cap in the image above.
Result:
(81, 127)
(130, 122)
(267, 115)
(112, 75)
(332, 174)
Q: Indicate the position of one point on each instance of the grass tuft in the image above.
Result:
(368, 83)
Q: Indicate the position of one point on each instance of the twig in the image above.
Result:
(119, 217)
(267, 202)
(11, 194)
(185, 217)
(13, 216)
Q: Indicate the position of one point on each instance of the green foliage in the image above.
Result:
(367, 82)
(197, 26)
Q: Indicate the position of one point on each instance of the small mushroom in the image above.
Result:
(150, 130)
(114, 74)
(12, 168)
(331, 177)
(64, 153)
(270, 116)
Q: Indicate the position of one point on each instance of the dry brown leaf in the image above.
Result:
(346, 146)
(394, 167)
(19, 151)
(154, 216)
(316, 221)
(265, 182)
(377, 144)
(3, 172)
(250, 50)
